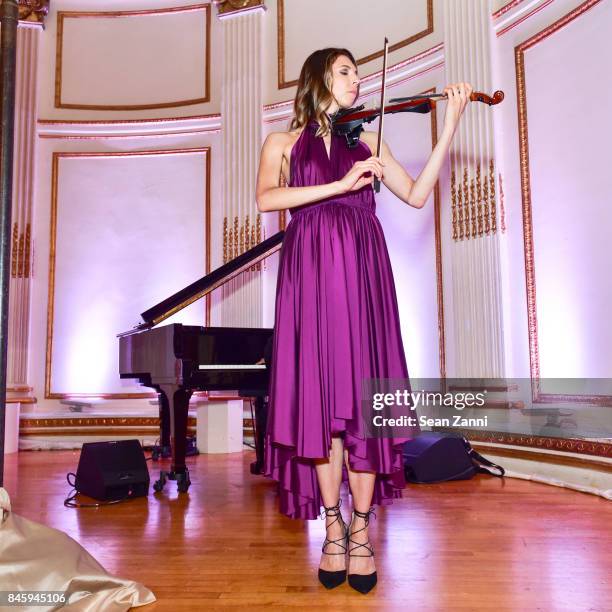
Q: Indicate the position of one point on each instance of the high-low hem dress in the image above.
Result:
(336, 323)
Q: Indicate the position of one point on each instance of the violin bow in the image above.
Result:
(382, 112)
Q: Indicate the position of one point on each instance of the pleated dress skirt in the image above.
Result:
(336, 325)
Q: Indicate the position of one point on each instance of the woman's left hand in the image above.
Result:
(458, 98)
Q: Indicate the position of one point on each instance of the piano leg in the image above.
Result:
(261, 421)
(163, 450)
(178, 404)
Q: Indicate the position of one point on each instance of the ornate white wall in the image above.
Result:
(555, 215)
(124, 204)
(139, 151)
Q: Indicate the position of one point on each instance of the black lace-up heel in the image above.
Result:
(363, 583)
(330, 580)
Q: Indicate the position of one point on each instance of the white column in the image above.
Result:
(23, 187)
(475, 245)
(242, 119)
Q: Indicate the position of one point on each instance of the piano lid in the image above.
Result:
(208, 283)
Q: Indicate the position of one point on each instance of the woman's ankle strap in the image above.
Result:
(364, 515)
(331, 510)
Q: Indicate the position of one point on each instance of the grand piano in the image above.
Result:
(177, 360)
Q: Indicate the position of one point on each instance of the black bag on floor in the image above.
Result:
(437, 457)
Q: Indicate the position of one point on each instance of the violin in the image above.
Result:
(348, 122)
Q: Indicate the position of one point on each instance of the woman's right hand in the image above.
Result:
(361, 174)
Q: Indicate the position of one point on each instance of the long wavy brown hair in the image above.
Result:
(314, 92)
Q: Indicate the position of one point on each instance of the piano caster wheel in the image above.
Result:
(183, 482)
(158, 485)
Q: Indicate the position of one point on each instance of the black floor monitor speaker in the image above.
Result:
(112, 470)
(437, 457)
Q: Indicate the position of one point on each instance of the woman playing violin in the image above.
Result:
(336, 320)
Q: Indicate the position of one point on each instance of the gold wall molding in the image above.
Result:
(473, 208)
(21, 250)
(454, 209)
(515, 453)
(229, 7)
(507, 7)
(62, 15)
(438, 246)
(105, 129)
(282, 214)
(94, 426)
(93, 431)
(280, 38)
(491, 199)
(502, 210)
(240, 238)
(522, 17)
(131, 136)
(97, 421)
(33, 11)
(567, 445)
(52, 249)
(523, 138)
(126, 121)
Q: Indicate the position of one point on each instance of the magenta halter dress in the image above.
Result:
(336, 323)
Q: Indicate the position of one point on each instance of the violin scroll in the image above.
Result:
(496, 98)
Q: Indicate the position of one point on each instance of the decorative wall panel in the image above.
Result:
(127, 230)
(565, 199)
(133, 60)
(336, 24)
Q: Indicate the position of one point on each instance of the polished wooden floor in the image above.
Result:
(482, 544)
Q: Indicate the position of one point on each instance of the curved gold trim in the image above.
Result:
(61, 15)
(568, 445)
(524, 17)
(507, 7)
(514, 453)
(523, 137)
(280, 40)
(52, 252)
